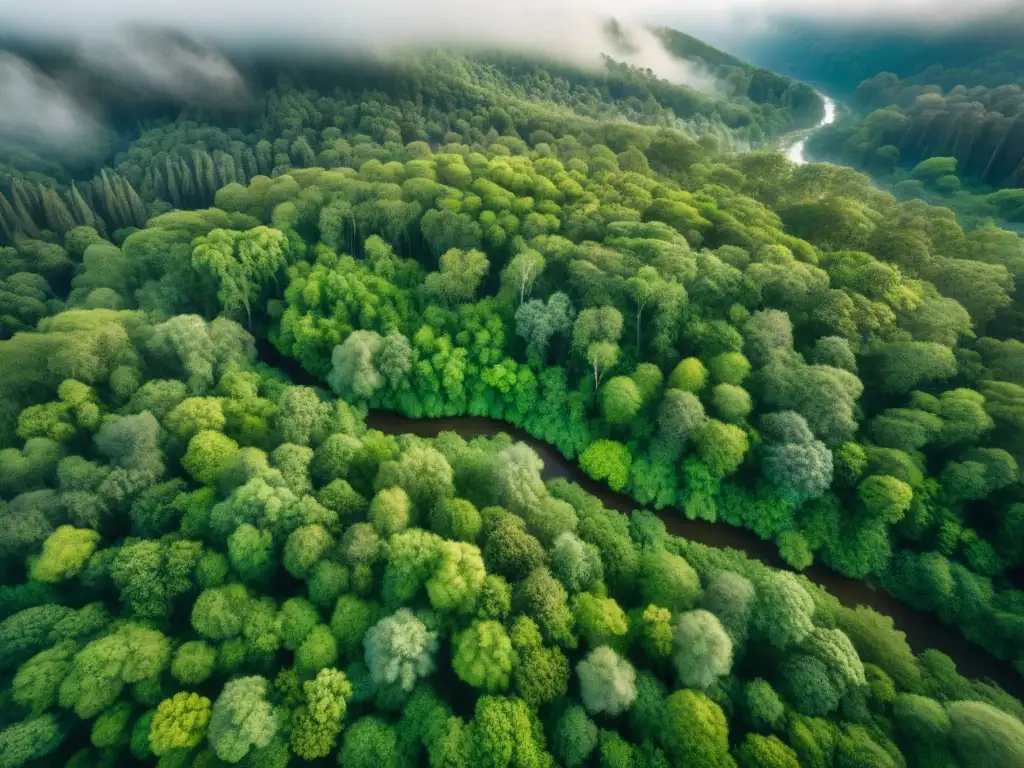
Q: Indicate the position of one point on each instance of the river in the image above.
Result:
(796, 152)
(923, 630)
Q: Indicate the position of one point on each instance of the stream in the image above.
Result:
(923, 630)
(796, 152)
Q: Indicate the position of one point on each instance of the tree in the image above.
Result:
(208, 454)
(983, 735)
(620, 400)
(64, 553)
(501, 735)
(351, 619)
(456, 519)
(538, 322)
(317, 651)
(680, 417)
(459, 276)
(645, 287)
(458, 580)
(30, 740)
(390, 511)
(522, 272)
(193, 662)
(903, 366)
(370, 743)
(885, 497)
(510, 550)
(217, 613)
(595, 337)
(669, 581)
(575, 563)
(354, 375)
(721, 446)
(729, 368)
(607, 460)
(105, 665)
(766, 332)
(759, 751)
(689, 375)
(607, 682)
(791, 458)
(601, 621)
(305, 548)
(807, 684)
(542, 598)
(732, 403)
(702, 650)
(575, 736)
(484, 656)
(764, 707)
(179, 723)
(783, 609)
(422, 472)
(316, 725)
(694, 730)
(242, 719)
(400, 650)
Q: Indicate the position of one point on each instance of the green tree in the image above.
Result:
(694, 730)
(400, 650)
(575, 736)
(242, 719)
(317, 723)
(180, 722)
(483, 656)
(65, 552)
(607, 682)
(702, 650)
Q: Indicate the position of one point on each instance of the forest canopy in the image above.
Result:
(206, 563)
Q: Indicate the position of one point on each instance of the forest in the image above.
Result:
(205, 563)
(938, 120)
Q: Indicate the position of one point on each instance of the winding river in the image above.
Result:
(796, 152)
(923, 630)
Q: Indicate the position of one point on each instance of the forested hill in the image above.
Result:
(840, 56)
(933, 114)
(742, 79)
(329, 116)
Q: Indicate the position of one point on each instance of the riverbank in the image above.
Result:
(923, 630)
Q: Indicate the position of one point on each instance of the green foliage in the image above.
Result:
(242, 719)
(574, 737)
(695, 731)
(399, 650)
(180, 722)
(702, 650)
(316, 725)
(64, 553)
(484, 656)
(607, 682)
(233, 521)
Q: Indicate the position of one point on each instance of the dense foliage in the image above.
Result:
(205, 563)
(236, 571)
(784, 349)
(471, 100)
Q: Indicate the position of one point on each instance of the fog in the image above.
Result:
(180, 49)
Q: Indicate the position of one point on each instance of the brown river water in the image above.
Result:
(923, 630)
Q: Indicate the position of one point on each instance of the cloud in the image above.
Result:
(37, 111)
(166, 65)
(559, 27)
(169, 49)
